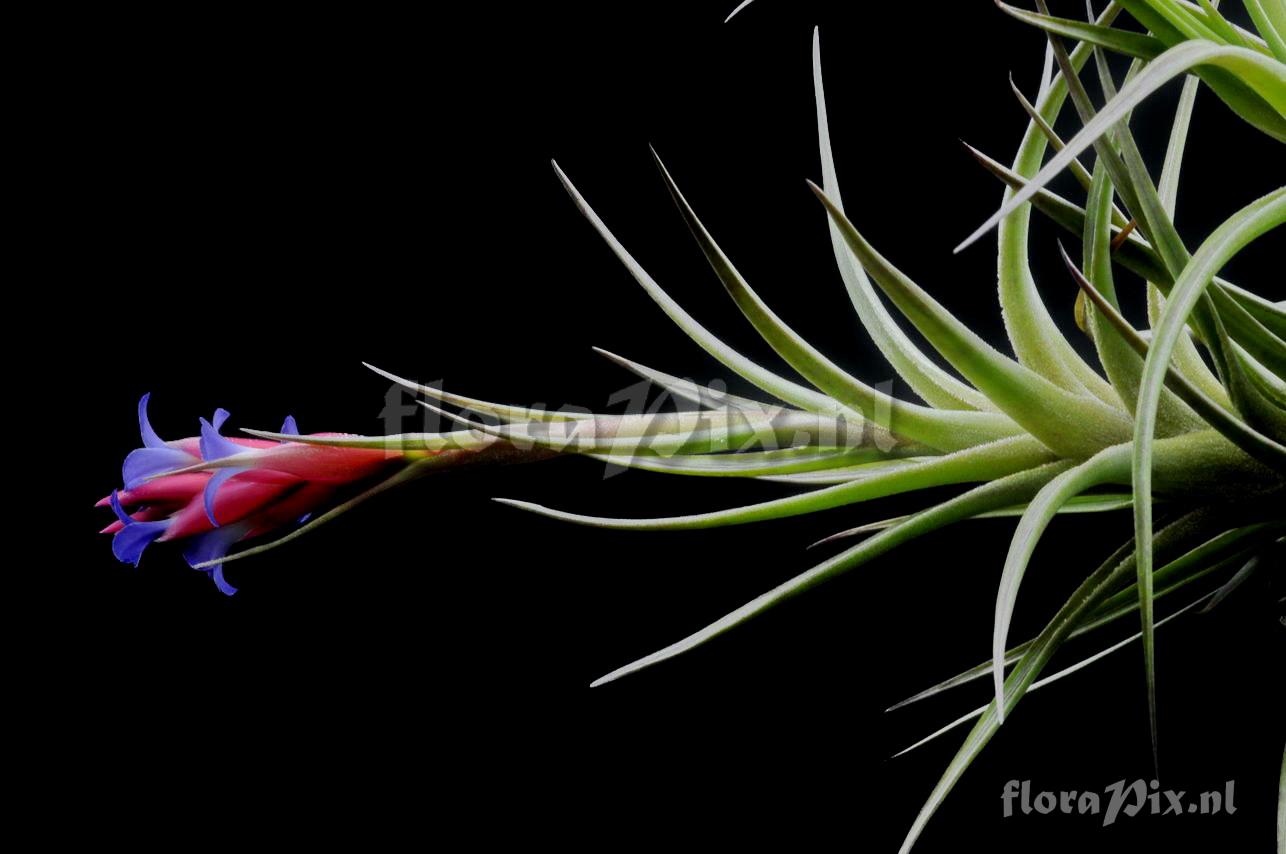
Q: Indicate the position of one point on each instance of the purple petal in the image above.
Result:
(150, 439)
(119, 510)
(212, 487)
(129, 542)
(214, 446)
(216, 575)
(143, 463)
(289, 426)
(220, 416)
(214, 546)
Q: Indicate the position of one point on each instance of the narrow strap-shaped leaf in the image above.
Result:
(670, 433)
(1265, 75)
(1105, 503)
(1247, 37)
(1123, 366)
(750, 464)
(1183, 21)
(1111, 464)
(1252, 399)
(1061, 674)
(1046, 74)
(1220, 26)
(1071, 424)
(941, 429)
(1037, 341)
(1239, 230)
(1118, 155)
(1210, 557)
(1152, 212)
(1259, 446)
(1233, 91)
(1192, 463)
(1181, 535)
(703, 396)
(1267, 349)
(743, 4)
(1101, 617)
(1122, 41)
(1231, 585)
(1079, 172)
(1187, 360)
(998, 493)
(1231, 547)
(968, 466)
(1269, 384)
(1281, 806)
(846, 474)
(500, 410)
(1271, 314)
(1272, 31)
(1137, 256)
(1104, 147)
(930, 382)
(779, 387)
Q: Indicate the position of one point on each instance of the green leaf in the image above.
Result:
(1254, 443)
(1111, 464)
(1242, 327)
(1078, 171)
(1037, 341)
(942, 429)
(968, 466)
(678, 432)
(1269, 17)
(1136, 255)
(1217, 554)
(1220, 26)
(1240, 229)
(932, 383)
(703, 396)
(1234, 92)
(1186, 465)
(1121, 41)
(751, 464)
(743, 4)
(1104, 503)
(1281, 807)
(1179, 18)
(999, 493)
(1070, 424)
(1124, 367)
(1065, 672)
(779, 387)
(847, 474)
(1185, 533)
(1266, 76)
(500, 410)
(1187, 360)
(1230, 586)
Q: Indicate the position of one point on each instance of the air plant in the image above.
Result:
(1188, 416)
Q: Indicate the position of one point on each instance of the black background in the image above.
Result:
(246, 205)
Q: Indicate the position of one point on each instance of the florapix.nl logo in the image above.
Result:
(1120, 798)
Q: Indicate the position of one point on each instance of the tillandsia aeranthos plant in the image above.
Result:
(1183, 424)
